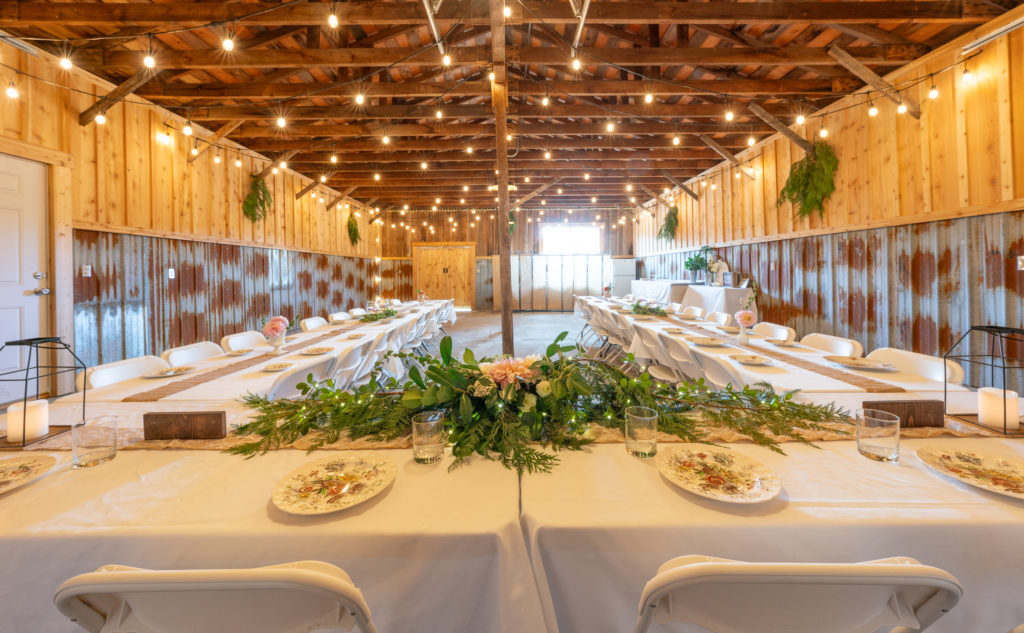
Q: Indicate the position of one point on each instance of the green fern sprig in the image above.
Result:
(811, 181)
(668, 227)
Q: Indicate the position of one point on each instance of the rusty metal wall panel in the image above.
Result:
(484, 284)
(915, 287)
(396, 279)
(130, 306)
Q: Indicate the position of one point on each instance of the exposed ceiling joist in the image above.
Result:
(872, 78)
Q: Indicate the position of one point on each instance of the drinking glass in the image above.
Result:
(641, 431)
(427, 437)
(93, 441)
(878, 435)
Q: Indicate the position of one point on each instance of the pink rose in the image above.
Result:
(274, 328)
(280, 319)
(746, 318)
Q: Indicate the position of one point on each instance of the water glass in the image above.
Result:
(427, 437)
(93, 441)
(878, 435)
(641, 431)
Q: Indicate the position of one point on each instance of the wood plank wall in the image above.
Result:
(129, 306)
(127, 182)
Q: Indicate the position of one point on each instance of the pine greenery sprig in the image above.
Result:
(257, 204)
(353, 229)
(811, 181)
(668, 227)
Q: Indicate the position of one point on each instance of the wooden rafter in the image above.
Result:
(872, 78)
(781, 127)
(679, 184)
(125, 88)
(530, 196)
(221, 133)
(726, 154)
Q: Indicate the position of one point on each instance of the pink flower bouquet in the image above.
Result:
(275, 327)
(745, 318)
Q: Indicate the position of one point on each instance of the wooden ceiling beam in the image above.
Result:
(221, 132)
(687, 143)
(416, 158)
(781, 127)
(726, 154)
(869, 33)
(481, 129)
(125, 88)
(537, 165)
(15, 14)
(679, 184)
(872, 78)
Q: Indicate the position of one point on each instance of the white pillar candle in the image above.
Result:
(990, 408)
(33, 421)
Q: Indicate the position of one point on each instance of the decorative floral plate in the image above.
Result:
(673, 330)
(751, 359)
(706, 341)
(995, 473)
(859, 363)
(170, 372)
(730, 329)
(17, 471)
(239, 352)
(718, 473)
(329, 485)
(353, 337)
(277, 366)
(317, 351)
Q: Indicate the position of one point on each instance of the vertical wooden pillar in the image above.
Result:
(499, 96)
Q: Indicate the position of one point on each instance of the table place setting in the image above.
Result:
(22, 469)
(316, 351)
(245, 351)
(169, 372)
(718, 473)
(751, 359)
(1001, 474)
(854, 362)
(329, 485)
(276, 367)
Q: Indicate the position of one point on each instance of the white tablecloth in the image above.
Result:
(438, 551)
(719, 299)
(658, 290)
(602, 523)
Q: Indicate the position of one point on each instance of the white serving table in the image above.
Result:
(439, 551)
(599, 526)
(659, 290)
(719, 299)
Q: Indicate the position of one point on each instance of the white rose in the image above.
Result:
(529, 402)
(543, 389)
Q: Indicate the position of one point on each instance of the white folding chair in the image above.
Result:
(721, 318)
(346, 367)
(242, 340)
(312, 323)
(374, 352)
(693, 312)
(338, 317)
(186, 354)
(774, 330)
(675, 307)
(681, 356)
(727, 596)
(286, 385)
(288, 598)
(357, 312)
(833, 344)
(117, 371)
(658, 366)
(930, 367)
(718, 372)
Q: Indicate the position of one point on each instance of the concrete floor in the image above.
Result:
(534, 331)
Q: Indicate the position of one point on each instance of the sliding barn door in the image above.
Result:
(446, 270)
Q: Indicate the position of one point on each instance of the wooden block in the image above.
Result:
(181, 425)
(912, 413)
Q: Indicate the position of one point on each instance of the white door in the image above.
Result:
(24, 313)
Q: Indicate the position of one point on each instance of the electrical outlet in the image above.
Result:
(86, 270)
(1020, 262)
(170, 273)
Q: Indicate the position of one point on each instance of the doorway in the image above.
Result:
(445, 270)
(24, 263)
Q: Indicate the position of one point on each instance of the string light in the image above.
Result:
(332, 19)
(575, 63)
(238, 162)
(823, 132)
(547, 155)
(281, 122)
(676, 140)
(334, 158)
(195, 151)
(423, 165)
(283, 164)
(968, 77)
(360, 99)
(148, 61)
(187, 130)
(610, 126)
(439, 114)
(216, 159)
(385, 139)
(490, 76)
(750, 141)
(465, 187)
(933, 93)
(586, 176)
(527, 179)
(446, 60)
(545, 101)
(323, 178)
(228, 44)
(469, 150)
(12, 91)
(593, 199)
(648, 98)
(729, 116)
(873, 110)
(800, 119)
(376, 176)
(901, 108)
(65, 62)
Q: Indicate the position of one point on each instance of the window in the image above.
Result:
(570, 239)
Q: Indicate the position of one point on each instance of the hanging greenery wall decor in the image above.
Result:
(353, 229)
(668, 227)
(257, 204)
(811, 181)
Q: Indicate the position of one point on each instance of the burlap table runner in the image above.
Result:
(177, 386)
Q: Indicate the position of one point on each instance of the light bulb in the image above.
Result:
(703, 183)
(676, 140)
(465, 187)
(376, 176)
(148, 61)
(933, 93)
(729, 116)
(360, 99)
(216, 159)
(462, 201)
(610, 127)
(437, 200)
(228, 44)
(823, 133)
(195, 151)
(332, 21)
(469, 150)
(508, 11)
(737, 174)
(586, 176)
(323, 178)
(385, 139)
(593, 198)
(575, 64)
(559, 190)
(508, 137)
(423, 165)
(629, 187)
(281, 121)
(12, 91)
(545, 101)
(238, 162)
(65, 63)
(439, 114)
(648, 98)
(901, 108)
(968, 77)
(490, 76)
(187, 130)
(750, 141)
(872, 111)
(446, 60)
(800, 119)
(334, 158)
(283, 164)
(527, 179)
(547, 155)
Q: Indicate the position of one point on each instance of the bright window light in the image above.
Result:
(570, 239)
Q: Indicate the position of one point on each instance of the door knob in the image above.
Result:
(41, 291)
(38, 275)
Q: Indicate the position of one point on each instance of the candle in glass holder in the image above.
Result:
(36, 419)
(991, 402)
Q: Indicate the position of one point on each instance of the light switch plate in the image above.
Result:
(86, 270)
(1020, 262)
(170, 273)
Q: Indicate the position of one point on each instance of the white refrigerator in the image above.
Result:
(623, 272)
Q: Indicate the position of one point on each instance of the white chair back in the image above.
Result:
(693, 312)
(286, 385)
(790, 597)
(682, 358)
(721, 318)
(357, 312)
(242, 340)
(675, 307)
(117, 371)
(717, 371)
(338, 317)
(186, 354)
(312, 323)
(774, 330)
(833, 344)
(375, 351)
(346, 366)
(930, 367)
(288, 598)
(649, 340)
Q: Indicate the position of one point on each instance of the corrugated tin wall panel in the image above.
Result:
(130, 306)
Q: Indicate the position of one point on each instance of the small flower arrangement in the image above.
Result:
(640, 307)
(386, 313)
(745, 318)
(275, 326)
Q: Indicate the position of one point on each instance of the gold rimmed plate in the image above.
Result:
(170, 372)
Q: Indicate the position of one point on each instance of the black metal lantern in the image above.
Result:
(1001, 366)
(43, 363)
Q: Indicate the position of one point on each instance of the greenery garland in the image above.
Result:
(353, 229)
(259, 201)
(811, 181)
(647, 308)
(509, 409)
(386, 313)
(668, 227)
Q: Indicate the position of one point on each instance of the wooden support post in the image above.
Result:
(724, 153)
(781, 127)
(675, 182)
(539, 191)
(499, 100)
(871, 78)
(127, 87)
(221, 132)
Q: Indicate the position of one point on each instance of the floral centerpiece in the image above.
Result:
(275, 329)
(422, 295)
(639, 307)
(510, 409)
(386, 313)
(745, 319)
(606, 291)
